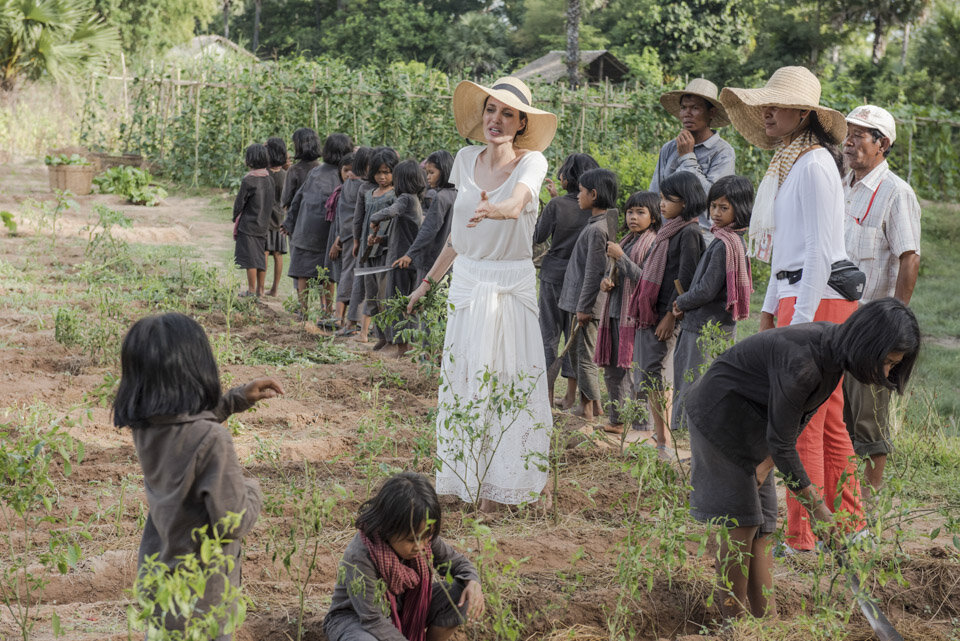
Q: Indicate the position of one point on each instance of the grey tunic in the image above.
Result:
(434, 230)
(192, 478)
(306, 220)
(706, 299)
(357, 569)
(585, 270)
(561, 221)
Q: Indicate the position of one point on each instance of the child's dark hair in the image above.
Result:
(256, 156)
(572, 168)
(408, 178)
(381, 156)
(738, 191)
(166, 368)
(605, 183)
(683, 185)
(443, 161)
(650, 200)
(404, 503)
(306, 145)
(361, 161)
(346, 161)
(335, 147)
(277, 150)
(863, 342)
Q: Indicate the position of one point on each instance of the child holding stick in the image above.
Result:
(720, 289)
(617, 328)
(580, 295)
(673, 256)
(169, 395)
(398, 546)
(252, 209)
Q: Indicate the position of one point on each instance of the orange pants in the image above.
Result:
(824, 446)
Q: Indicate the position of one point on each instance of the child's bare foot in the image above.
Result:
(272, 292)
(613, 428)
(362, 337)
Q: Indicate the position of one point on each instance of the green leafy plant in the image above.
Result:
(133, 183)
(162, 594)
(36, 453)
(64, 159)
(7, 219)
(424, 331)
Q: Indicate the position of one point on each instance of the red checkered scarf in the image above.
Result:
(628, 325)
(401, 579)
(739, 278)
(643, 303)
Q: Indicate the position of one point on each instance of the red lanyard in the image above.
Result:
(869, 206)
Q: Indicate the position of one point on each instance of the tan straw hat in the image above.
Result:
(793, 87)
(697, 87)
(468, 100)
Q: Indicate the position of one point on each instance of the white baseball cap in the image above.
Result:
(873, 117)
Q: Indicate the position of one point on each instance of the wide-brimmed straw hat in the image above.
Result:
(468, 100)
(697, 87)
(793, 87)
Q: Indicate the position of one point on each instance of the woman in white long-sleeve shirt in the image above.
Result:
(797, 226)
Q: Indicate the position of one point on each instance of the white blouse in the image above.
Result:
(808, 213)
(495, 239)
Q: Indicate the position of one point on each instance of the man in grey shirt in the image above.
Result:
(697, 148)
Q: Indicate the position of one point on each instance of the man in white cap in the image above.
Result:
(698, 148)
(882, 235)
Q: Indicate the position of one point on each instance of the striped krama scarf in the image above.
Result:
(643, 303)
(401, 579)
(739, 278)
(762, 223)
(628, 326)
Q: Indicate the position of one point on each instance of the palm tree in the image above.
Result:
(62, 38)
(476, 44)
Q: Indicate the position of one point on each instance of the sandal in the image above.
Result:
(346, 331)
(666, 454)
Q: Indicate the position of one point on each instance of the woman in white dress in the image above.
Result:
(494, 420)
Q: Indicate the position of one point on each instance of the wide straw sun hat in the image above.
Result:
(793, 87)
(468, 99)
(697, 87)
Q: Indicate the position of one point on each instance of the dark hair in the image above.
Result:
(404, 502)
(824, 140)
(277, 149)
(650, 200)
(381, 156)
(335, 147)
(306, 145)
(605, 183)
(166, 368)
(738, 191)
(256, 156)
(443, 161)
(346, 161)
(876, 134)
(572, 168)
(408, 178)
(863, 342)
(361, 160)
(683, 185)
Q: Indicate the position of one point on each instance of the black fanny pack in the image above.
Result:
(845, 279)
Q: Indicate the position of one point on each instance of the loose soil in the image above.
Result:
(566, 586)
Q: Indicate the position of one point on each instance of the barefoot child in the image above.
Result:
(398, 580)
(721, 286)
(617, 329)
(334, 246)
(169, 395)
(436, 221)
(561, 222)
(276, 241)
(674, 256)
(252, 209)
(580, 295)
(350, 288)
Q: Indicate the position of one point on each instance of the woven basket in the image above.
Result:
(75, 178)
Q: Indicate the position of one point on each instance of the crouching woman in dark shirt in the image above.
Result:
(746, 413)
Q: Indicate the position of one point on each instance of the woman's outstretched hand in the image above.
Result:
(261, 388)
(417, 294)
(473, 596)
(485, 209)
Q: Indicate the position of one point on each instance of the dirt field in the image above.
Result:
(339, 429)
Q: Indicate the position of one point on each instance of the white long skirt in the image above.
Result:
(493, 419)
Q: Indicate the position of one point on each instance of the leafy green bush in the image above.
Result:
(64, 159)
(131, 182)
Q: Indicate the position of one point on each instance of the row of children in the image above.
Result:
(618, 301)
(358, 219)
(170, 397)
